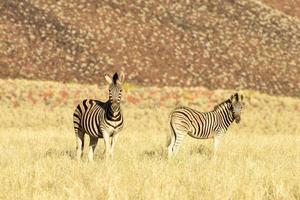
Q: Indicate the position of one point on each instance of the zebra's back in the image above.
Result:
(197, 124)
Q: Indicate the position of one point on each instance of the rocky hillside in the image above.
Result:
(233, 44)
(289, 7)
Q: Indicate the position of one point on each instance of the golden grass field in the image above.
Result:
(259, 158)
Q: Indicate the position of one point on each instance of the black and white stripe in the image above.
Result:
(100, 119)
(203, 125)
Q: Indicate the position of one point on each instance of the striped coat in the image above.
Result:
(94, 117)
(203, 125)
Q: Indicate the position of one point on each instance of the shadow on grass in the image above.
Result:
(72, 154)
(202, 150)
(60, 153)
(100, 155)
(157, 154)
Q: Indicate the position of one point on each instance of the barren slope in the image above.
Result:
(216, 44)
(289, 7)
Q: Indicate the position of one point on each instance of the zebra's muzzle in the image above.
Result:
(237, 119)
(115, 106)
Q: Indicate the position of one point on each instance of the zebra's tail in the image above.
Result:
(168, 140)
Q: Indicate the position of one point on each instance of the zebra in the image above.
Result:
(204, 125)
(100, 119)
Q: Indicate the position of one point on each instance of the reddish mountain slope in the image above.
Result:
(216, 44)
(289, 7)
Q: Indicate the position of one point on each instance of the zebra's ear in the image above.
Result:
(236, 95)
(121, 78)
(108, 79)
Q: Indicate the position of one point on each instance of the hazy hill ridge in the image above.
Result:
(216, 44)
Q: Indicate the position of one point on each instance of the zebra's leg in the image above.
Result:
(178, 137)
(92, 146)
(178, 140)
(107, 145)
(217, 141)
(113, 142)
(172, 142)
(79, 143)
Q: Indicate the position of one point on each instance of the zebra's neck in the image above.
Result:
(225, 113)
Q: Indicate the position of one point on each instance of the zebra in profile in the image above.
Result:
(100, 119)
(204, 125)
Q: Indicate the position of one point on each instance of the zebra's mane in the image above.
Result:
(227, 102)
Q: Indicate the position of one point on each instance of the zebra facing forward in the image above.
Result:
(204, 125)
(99, 119)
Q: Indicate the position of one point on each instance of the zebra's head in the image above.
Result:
(237, 106)
(115, 89)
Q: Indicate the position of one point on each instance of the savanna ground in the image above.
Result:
(259, 158)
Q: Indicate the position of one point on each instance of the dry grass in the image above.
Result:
(259, 159)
